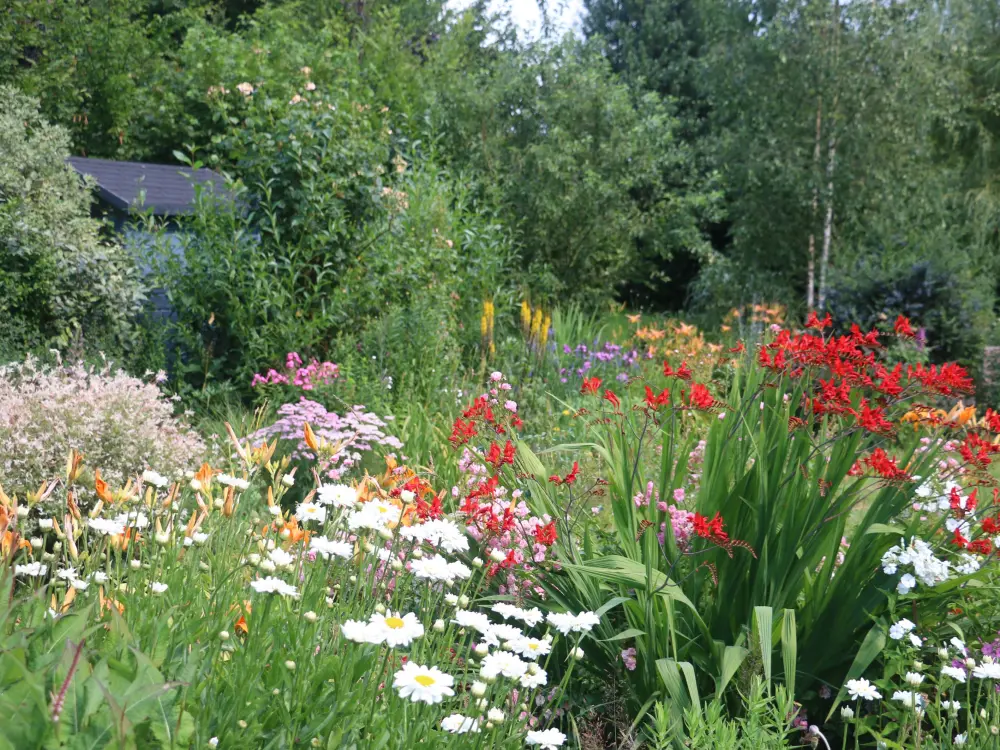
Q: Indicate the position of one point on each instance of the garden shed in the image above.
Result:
(127, 190)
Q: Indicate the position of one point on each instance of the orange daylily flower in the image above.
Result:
(101, 488)
(107, 602)
(634, 318)
(73, 465)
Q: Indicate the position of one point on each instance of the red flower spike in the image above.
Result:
(814, 322)
(700, 397)
(590, 386)
(610, 397)
(903, 328)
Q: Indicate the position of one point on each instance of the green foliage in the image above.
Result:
(57, 275)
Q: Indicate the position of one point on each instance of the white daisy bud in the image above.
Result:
(497, 556)
(223, 635)
(268, 566)
(481, 649)
(478, 689)
(310, 616)
(196, 485)
(495, 714)
(439, 625)
(22, 511)
(396, 564)
(385, 533)
(417, 553)
(36, 542)
(135, 564)
(482, 703)
(253, 558)
(274, 510)
(290, 665)
(241, 724)
(577, 653)
(847, 712)
(477, 562)
(285, 534)
(288, 480)
(162, 538)
(463, 601)
(380, 608)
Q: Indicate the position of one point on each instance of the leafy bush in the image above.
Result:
(946, 303)
(56, 273)
(120, 423)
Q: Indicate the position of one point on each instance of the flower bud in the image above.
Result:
(285, 534)
(847, 712)
(478, 689)
(253, 558)
(195, 485)
(577, 653)
(310, 616)
(439, 625)
(22, 511)
(482, 703)
(369, 548)
(268, 566)
(463, 601)
(274, 510)
(223, 635)
(162, 538)
(385, 533)
(380, 608)
(288, 480)
(495, 714)
(135, 563)
(481, 649)
(477, 562)
(290, 665)
(497, 556)
(396, 564)
(417, 553)
(219, 503)
(36, 542)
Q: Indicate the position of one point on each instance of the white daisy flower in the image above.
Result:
(502, 663)
(476, 620)
(395, 630)
(566, 622)
(32, 569)
(955, 673)
(531, 680)
(157, 480)
(311, 512)
(107, 526)
(280, 557)
(423, 684)
(157, 587)
(272, 585)
(545, 739)
(530, 648)
(328, 548)
(987, 671)
(337, 495)
(862, 689)
(458, 724)
(359, 632)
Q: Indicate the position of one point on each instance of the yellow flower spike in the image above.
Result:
(543, 333)
(536, 324)
(525, 317)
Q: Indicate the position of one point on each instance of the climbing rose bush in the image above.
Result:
(119, 422)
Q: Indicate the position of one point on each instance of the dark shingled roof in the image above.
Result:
(169, 188)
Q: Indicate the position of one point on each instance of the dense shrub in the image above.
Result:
(56, 273)
(119, 423)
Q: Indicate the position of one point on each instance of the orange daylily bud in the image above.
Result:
(73, 464)
(310, 438)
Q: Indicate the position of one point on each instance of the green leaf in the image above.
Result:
(624, 635)
(732, 658)
(871, 647)
(762, 617)
(884, 528)
(670, 674)
(789, 650)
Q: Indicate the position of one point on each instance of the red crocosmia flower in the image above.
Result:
(655, 401)
(991, 525)
(902, 327)
(517, 422)
(882, 464)
(684, 372)
(738, 349)
(873, 420)
(958, 540)
(590, 386)
(709, 528)
(569, 478)
(992, 420)
(508, 453)
(462, 432)
(700, 397)
(493, 455)
(546, 534)
(555, 479)
(612, 398)
(813, 321)
(980, 546)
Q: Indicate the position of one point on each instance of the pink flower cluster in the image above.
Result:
(359, 430)
(296, 373)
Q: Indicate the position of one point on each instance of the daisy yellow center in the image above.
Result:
(394, 622)
(424, 679)
(533, 646)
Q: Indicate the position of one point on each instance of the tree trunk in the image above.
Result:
(811, 269)
(824, 261)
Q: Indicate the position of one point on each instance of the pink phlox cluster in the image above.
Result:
(650, 495)
(306, 377)
(682, 524)
(359, 429)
